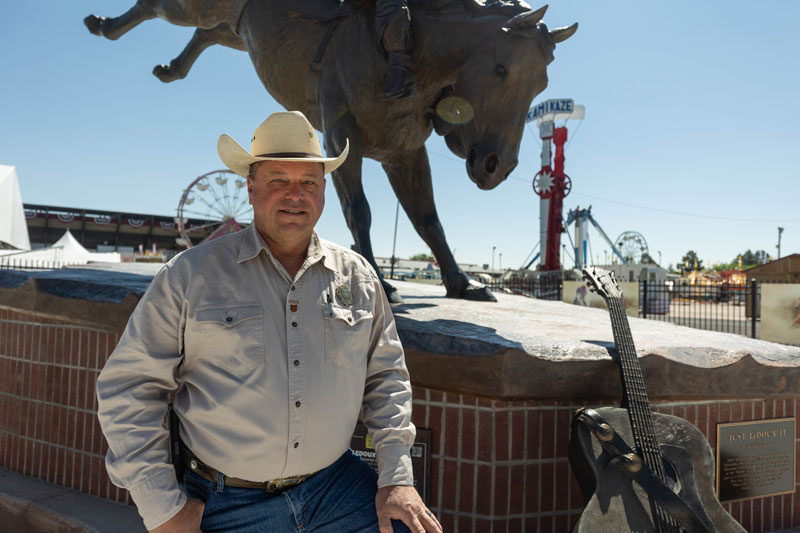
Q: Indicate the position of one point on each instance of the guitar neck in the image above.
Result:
(634, 388)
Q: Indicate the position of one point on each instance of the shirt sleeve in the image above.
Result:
(133, 392)
(387, 398)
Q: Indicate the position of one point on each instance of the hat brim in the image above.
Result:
(239, 160)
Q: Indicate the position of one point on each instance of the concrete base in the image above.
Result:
(34, 506)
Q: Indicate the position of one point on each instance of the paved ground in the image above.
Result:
(33, 506)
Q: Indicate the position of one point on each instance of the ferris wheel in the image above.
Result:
(212, 205)
(632, 246)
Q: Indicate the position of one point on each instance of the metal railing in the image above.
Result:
(542, 287)
(725, 308)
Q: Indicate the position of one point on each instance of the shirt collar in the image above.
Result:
(253, 243)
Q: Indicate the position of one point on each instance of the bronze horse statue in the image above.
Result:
(478, 68)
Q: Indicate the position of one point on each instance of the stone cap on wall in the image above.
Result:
(515, 348)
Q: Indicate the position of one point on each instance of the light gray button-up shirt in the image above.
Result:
(271, 372)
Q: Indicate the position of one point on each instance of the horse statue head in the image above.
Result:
(496, 85)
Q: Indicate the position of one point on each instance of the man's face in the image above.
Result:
(287, 199)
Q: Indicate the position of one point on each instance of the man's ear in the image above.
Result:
(249, 188)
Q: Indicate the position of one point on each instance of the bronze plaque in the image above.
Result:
(420, 457)
(755, 459)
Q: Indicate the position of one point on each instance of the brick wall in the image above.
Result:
(502, 465)
(48, 408)
(496, 466)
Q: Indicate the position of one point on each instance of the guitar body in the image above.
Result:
(613, 503)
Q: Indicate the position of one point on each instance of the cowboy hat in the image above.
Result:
(284, 136)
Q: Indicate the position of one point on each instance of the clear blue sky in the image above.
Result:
(690, 137)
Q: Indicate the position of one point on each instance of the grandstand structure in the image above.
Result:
(106, 231)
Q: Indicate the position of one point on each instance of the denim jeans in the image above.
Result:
(338, 499)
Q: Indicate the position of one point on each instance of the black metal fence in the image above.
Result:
(727, 308)
(542, 287)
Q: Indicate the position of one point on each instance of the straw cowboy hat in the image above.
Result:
(284, 136)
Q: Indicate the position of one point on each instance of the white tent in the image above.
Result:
(13, 229)
(66, 251)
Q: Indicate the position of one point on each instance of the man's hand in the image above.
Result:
(186, 521)
(400, 502)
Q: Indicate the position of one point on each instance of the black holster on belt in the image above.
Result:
(175, 443)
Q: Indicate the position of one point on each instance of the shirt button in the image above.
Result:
(296, 444)
(292, 287)
(297, 404)
(296, 362)
(294, 324)
(229, 319)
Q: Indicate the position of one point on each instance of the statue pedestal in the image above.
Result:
(495, 383)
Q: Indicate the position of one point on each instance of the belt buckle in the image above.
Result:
(281, 484)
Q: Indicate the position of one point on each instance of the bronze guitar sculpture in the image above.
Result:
(638, 470)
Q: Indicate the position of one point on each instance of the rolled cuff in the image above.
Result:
(394, 465)
(158, 498)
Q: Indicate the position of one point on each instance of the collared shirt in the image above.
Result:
(272, 373)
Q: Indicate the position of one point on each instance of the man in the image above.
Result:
(274, 342)
(393, 28)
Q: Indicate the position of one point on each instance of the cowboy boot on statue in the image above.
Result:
(393, 26)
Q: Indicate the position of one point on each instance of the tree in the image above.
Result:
(750, 258)
(647, 260)
(690, 262)
(422, 257)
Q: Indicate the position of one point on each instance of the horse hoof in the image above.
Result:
(393, 296)
(163, 73)
(478, 294)
(94, 24)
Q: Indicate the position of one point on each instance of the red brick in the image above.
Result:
(464, 524)
(713, 420)
(450, 483)
(562, 478)
(575, 494)
(36, 343)
(562, 523)
(466, 493)
(447, 520)
(770, 409)
(501, 475)
(468, 399)
(73, 389)
(92, 349)
(435, 424)
(97, 442)
(468, 428)
(486, 402)
(548, 450)
(104, 348)
(91, 389)
(533, 488)
(548, 495)
(483, 525)
(499, 526)
(52, 464)
(485, 434)
(501, 435)
(436, 482)
(452, 435)
(546, 525)
(518, 435)
(483, 501)
(25, 342)
(563, 421)
(515, 525)
(517, 493)
(104, 481)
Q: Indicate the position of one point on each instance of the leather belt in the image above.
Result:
(211, 474)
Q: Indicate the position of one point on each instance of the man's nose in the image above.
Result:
(294, 191)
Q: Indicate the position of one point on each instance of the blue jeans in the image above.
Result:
(338, 499)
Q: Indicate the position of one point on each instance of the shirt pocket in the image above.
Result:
(232, 336)
(347, 334)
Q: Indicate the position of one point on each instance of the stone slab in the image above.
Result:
(515, 348)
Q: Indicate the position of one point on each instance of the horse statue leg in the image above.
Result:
(115, 27)
(347, 180)
(410, 176)
(179, 67)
